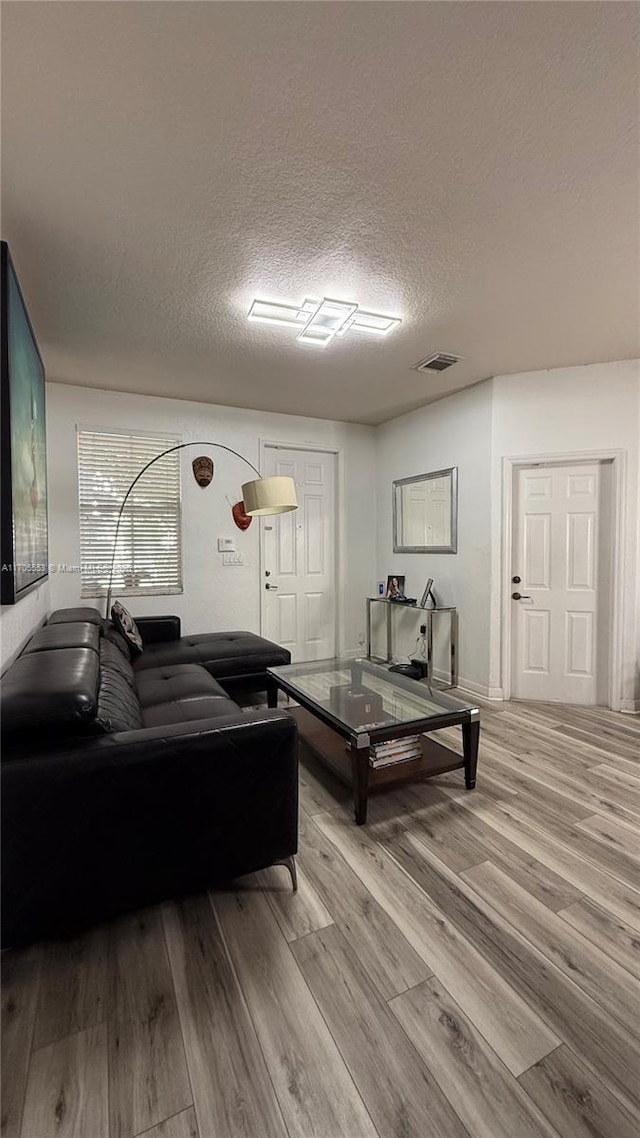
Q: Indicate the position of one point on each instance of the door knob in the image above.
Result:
(268, 586)
(514, 597)
(516, 580)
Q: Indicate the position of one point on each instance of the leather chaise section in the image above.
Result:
(223, 654)
(156, 628)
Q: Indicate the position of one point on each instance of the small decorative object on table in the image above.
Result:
(427, 593)
(395, 588)
(395, 751)
(358, 704)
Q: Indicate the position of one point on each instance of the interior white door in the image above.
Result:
(557, 555)
(298, 582)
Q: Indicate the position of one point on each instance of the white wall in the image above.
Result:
(568, 410)
(215, 597)
(453, 432)
(19, 621)
(594, 408)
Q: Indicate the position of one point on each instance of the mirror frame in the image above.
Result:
(399, 482)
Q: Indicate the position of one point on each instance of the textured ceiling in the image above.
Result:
(472, 167)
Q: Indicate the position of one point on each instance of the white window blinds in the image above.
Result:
(149, 554)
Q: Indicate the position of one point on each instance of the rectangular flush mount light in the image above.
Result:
(320, 321)
(325, 323)
(369, 322)
(267, 312)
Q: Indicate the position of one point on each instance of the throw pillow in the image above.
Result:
(123, 620)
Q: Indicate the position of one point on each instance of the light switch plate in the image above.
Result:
(226, 545)
(232, 559)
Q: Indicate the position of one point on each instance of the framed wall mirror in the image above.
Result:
(425, 513)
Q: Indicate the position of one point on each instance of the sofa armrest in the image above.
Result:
(139, 816)
(207, 740)
(202, 736)
(155, 629)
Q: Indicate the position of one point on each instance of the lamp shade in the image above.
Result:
(275, 495)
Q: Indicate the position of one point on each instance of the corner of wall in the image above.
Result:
(18, 622)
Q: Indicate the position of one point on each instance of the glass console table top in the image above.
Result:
(361, 696)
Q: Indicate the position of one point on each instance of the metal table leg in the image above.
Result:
(429, 620)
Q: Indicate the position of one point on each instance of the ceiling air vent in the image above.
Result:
(440, 361)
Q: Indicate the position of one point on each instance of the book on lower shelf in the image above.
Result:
(395, 751)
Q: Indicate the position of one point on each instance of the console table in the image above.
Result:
(426, 617)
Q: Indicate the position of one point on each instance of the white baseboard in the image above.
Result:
(480, 689)
(470, 686)
(630, 706)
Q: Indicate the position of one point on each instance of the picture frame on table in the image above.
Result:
(395, 587)
(427, 593)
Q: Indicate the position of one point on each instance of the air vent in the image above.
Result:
(440, 361)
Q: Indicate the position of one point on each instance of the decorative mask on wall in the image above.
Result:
(240, 517)
(203, 470)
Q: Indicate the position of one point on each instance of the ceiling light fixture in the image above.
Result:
(319, 321)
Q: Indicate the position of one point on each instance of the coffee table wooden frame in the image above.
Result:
(436, 759)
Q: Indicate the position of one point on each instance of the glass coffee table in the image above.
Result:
(368, 706)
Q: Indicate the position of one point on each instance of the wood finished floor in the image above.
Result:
(465, 966)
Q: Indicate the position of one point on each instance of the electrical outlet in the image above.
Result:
(423, 630)
(232, 559)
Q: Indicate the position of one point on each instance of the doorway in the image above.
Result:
(298, 576)
(560, 581)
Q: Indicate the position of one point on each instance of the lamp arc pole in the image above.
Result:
(156, 458)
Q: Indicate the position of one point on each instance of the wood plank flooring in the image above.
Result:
(465, 966)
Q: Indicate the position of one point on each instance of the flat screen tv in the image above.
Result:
(23, 458)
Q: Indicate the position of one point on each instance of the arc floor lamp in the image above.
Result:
(261, 496)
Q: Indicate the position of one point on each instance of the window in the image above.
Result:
(149, 554)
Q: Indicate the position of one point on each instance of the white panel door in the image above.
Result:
(298, 581)
(556, 555)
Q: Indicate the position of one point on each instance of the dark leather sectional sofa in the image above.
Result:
(129, 780)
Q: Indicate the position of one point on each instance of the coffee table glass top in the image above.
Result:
(362, 696)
